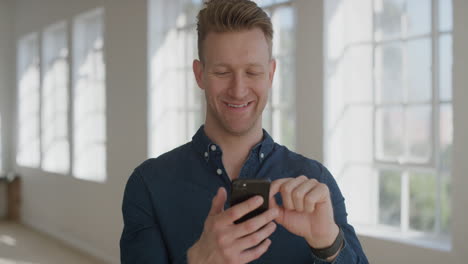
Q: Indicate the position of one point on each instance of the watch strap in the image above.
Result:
(324, 253)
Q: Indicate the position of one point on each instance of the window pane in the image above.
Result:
(266, 118)
(389, 138)
(283, 20)
(389, 69)
(283, 90)
(288, 136)
(89, 95)
(418, 17)
(358, 86)
(285, 82)
(446, 203)
(55, 141)
(418, 133)
(264, 2)
(422, 201)
(390, 198)
(419, 70)
(445, 67)
(389, 18)
(446, 137)
(28, 148)
(358, 20)
(176, 102)
(445, 15)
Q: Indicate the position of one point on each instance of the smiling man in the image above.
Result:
(170, 214)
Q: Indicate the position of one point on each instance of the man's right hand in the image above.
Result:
(222, 241)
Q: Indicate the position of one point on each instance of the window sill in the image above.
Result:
(414, 238)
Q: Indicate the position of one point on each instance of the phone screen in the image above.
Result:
(244, 189)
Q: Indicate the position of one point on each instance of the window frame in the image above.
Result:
(433, 165)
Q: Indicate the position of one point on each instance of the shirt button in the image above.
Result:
(206, 154)
(219, 171)
(262, 155)
(213, 147)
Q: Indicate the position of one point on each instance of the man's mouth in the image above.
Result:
(234, 106)
(238, 106)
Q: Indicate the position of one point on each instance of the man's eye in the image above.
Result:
(254, 73)
(221, 73)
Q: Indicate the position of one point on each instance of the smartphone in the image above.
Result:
(244, 189)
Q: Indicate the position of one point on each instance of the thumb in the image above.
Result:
(217, 205)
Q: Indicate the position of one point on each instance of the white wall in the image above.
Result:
(6, 87)
(88, 214)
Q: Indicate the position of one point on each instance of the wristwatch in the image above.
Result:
(324, 253)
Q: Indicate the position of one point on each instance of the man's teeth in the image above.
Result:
(238, 106)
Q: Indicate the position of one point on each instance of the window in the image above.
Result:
(176, 107)
(55, 140)
(280, 115)
(389, 113)
(89, 97)
(28, 83)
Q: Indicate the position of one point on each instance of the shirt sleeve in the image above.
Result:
(141, 240)
(352, 252)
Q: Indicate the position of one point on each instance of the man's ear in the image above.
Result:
(272, 69)
(198, 72)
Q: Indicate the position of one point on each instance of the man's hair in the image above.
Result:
(229, 16)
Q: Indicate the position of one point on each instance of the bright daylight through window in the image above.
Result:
(89, 97)
(389, 114)
(54, 102)
(28, 141)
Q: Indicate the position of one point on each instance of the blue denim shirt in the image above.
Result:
(167, 199)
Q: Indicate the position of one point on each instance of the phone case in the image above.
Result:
(243, 189)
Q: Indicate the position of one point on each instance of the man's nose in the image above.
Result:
(239, 87)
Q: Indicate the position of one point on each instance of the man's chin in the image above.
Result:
(239, 129)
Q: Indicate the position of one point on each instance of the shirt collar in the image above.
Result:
(204, 145)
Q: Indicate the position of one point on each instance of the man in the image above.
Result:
(170, 215)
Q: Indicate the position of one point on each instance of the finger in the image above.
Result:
(276, 185)
(252, 254)
(298, 195)
(286, 191)
(318, 194)
(254, 224)
(272, 203)
(239, 210)
(256, 238)
(217, 205)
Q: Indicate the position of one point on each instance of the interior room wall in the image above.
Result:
(6, 88)
(87, 214)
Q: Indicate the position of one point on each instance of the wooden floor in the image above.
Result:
(22, 245)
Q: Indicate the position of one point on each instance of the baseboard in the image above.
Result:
(71, 241)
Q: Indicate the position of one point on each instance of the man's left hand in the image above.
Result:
(307, 210)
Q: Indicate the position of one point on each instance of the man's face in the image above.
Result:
(237, 75)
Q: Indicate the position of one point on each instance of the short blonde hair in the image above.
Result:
(232, 15)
